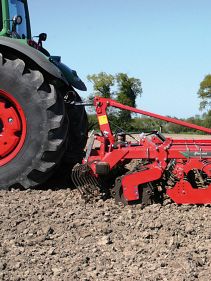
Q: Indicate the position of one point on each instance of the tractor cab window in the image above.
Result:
(17, 8)
(1, 19)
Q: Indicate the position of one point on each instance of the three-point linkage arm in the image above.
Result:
(101, 105)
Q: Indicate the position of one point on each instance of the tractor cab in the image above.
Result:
(15, 23)
(14, 19)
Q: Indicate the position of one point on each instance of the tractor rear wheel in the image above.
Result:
(33, 125)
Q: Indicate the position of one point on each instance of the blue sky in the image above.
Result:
(164, 43)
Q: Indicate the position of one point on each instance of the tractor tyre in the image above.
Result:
(33, 125)
(78, 132)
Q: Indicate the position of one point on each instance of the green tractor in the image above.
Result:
(39, 128)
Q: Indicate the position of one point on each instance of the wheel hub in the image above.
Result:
(12, 127)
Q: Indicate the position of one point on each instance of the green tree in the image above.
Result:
(120, 87)
(128, 89)
(204, 92)
(102, 84)
(207, 120)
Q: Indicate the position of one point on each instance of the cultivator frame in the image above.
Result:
(180, 168)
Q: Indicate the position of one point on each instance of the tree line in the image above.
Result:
(125, 90)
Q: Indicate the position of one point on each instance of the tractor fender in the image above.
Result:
(72, 77)
(32, 54)
(70, 74)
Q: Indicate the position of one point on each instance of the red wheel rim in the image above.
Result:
(12, 127)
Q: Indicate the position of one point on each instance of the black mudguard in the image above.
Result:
(70, 75)
(32, 54)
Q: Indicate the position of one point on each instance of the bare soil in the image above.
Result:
(53, 235)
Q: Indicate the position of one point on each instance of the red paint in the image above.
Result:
(13, 132)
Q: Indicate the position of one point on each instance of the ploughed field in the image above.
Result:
(53, 235)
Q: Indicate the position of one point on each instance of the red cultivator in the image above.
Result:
(179, 168)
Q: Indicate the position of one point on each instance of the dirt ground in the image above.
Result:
(53, 235)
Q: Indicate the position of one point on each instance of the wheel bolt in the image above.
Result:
(10, 120)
